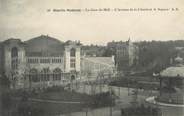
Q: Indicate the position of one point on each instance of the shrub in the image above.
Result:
(140, 111)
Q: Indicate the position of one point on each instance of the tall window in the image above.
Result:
(14, 57)
(72, 77)
(57, 74)
(72, 52)
(33, 75)
(45, 74)
(44, 60)
(32, 60)
(14, 52)
(72, 63)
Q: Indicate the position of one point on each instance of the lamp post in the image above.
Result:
(128, 86)
(111, 102)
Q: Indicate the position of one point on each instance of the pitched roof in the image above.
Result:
(101, 60)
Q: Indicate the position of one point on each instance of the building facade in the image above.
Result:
(40, 62)
(97, 67)
(126, 56)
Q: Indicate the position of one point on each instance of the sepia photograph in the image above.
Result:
(91, 58)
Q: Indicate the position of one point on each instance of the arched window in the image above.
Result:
(33, 75)
(14, 52)
(45, 74)
(72, 52)
(57, 74)
(14, 57)
(72, 77)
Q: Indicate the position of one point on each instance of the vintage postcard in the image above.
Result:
(91, 57)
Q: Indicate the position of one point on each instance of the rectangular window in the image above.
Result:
(56, 60)
(32, 60)
(72, 63)
(44, 60)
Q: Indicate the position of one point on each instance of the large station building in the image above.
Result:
(45, 61)
(42, 61)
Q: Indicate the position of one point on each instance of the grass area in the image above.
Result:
(47, 109)
(141, 110)
(26, 106)
(63, 95)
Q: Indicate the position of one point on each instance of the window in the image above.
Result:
(72, 77)
(72, 52)
(45, 74)
(56, 60)
(33, 75)
(32, 60)
(14, 63)
(57, 74)
(14, 52)
(53, 60)
(44, 60)
(14, 58)
(72, 63)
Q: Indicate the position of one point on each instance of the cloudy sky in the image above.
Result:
(26, 19)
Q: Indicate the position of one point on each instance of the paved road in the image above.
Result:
(96, 112)
(124, 100)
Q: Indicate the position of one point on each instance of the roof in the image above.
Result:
(13, 40)
(101, 60)
(173, 72)
(44, 46)
(178, 59)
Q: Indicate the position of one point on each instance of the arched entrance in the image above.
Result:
(33, 75)
(57, 74)
(72, 77)
(45, 74)
(14, 58)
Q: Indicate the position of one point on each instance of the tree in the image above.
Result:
(88, 74)
(4, 82)
(5, 95)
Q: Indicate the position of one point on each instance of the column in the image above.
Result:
(67, 59)
(77, 59)
(160, 85)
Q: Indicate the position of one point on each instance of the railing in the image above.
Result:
(171, 98)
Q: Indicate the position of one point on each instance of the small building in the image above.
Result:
(172, 85)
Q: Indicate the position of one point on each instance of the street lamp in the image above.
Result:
(112, 98)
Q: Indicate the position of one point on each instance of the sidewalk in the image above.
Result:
(153, 101)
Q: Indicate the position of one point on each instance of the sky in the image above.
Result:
(26, 19)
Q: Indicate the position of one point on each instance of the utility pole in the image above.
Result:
(87, 112)
(119, 91)
(128, 86)
(128, 82)
(151, 86)
(110, 109)
(84, 87)
(99, 82)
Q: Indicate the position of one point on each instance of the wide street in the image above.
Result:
(122, 101)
